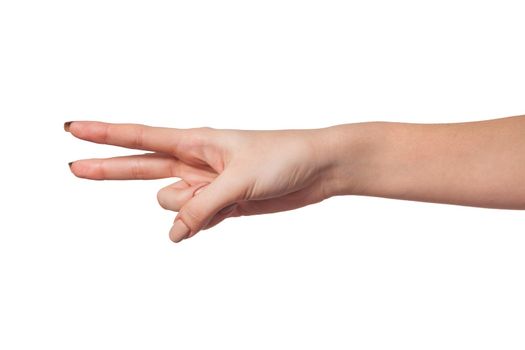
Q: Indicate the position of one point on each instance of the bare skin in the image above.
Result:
(229, 173)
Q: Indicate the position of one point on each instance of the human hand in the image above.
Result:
(224, 173)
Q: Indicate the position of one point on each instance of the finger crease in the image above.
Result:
(137, 170)
(139, 138)
(173, 168)
(105, 134)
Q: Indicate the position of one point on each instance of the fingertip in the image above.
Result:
(86, 169)
(72, 168)
(179, 231)
(86, 130)
(73, 127)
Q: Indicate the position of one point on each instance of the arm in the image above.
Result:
(229, 173)
(476, 163)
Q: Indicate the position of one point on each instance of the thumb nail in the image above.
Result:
(179, 231)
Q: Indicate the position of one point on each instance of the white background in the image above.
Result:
(88, 265)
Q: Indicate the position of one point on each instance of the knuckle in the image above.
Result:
(99, 173)
(137, 171)
(106, 130)
(201, 135)
(139, 136)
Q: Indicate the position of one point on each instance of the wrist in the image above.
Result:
(350, 155)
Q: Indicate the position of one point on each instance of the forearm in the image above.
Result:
(476, 163)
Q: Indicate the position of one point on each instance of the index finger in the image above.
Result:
(134, 136)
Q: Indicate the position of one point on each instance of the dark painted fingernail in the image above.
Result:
(67, 125)
(70, 164)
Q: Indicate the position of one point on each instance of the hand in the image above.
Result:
(224, 173)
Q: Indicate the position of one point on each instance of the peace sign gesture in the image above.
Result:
(224, 173)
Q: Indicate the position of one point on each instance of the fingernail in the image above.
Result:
(199, 189)
(70, 164)
(179, 231)
(67, 125)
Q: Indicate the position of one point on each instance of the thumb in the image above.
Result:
(225, 190)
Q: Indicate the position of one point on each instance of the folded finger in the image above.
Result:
(174, 196)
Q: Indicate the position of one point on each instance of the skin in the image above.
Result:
(229, 173)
